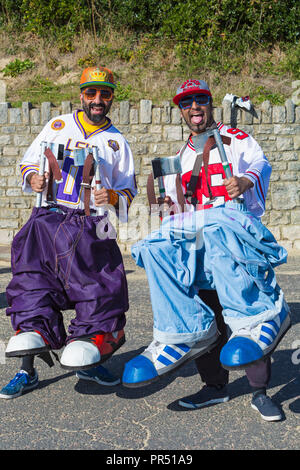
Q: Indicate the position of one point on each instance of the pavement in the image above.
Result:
(66, 414)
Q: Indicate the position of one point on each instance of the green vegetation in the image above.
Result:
(16, 67)
(239, 46)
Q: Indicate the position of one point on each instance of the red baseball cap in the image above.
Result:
(190, 87)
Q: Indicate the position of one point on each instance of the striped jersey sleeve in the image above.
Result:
(26, 170)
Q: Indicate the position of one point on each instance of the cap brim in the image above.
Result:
(190, 91)
(84, 85)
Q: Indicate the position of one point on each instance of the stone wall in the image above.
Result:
(157, 130)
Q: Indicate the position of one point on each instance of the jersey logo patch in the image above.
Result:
(57, 125)
(114, 145)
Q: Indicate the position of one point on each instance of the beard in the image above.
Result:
(95, 118)
(200, 126)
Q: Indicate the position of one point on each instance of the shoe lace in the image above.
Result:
(16, 379)
(248, 331)
(155, 348)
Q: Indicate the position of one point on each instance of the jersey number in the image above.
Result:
(216, 174)
(69, 190)
(237, 133)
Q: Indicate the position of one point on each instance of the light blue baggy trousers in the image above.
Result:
(224, 248)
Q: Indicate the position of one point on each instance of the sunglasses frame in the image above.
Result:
(90, 98)
(192, 99)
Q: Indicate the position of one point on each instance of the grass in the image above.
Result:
(144, 68)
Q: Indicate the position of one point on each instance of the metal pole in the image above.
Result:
(39, 196)
(100, 210)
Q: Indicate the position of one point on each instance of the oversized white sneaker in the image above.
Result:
(24, 343)
(90, 351)
(79, 355)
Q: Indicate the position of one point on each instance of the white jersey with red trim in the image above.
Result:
(116, 161)
(245, 157)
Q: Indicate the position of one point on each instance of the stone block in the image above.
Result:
(2, 91)
(291, 232)
(4, 113)
(296, 94)
(45, 112)
(156, 116)
(218, 114)
(145, 111)
(297, 142)
(295, 218)
(266, 112)
(26, 106)
(9, 223)
(284, 196)
(6, 236)
(134, 116)
(279, 114)
(171, 133)
(285, 143)
(175, 116)
(6, 140)
(66, 107)
(226, 112)
(124, 112)
(35, 116)
(290, 110)
(166, 112)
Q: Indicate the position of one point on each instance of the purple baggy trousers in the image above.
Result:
(59, 263)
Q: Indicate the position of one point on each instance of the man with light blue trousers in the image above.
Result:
(226, 249)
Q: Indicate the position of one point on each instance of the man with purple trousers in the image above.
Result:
(66, 256)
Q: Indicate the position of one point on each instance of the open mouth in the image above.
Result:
(97, 109)
(197, 119)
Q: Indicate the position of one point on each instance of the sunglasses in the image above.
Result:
(91, 93)
(187, 101)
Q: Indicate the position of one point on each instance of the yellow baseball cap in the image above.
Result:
(97, 76)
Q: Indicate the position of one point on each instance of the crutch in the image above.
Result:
(203, 146)
(53, 152)
(41, 172)
(100, 210)
(219, 142)
(162, 167)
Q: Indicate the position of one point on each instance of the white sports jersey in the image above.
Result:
(246, 158)
(116, 161)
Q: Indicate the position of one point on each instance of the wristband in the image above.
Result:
(113, 197)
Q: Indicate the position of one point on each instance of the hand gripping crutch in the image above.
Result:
(203, 143)
(219, 142)
(53, 152)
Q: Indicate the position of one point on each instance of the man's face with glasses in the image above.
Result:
(96, 102)
(196, 110)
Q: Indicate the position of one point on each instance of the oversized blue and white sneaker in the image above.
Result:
(249, 345)
(22, 382)
(160, 359)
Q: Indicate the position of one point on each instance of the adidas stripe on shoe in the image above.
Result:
(249, 345)
(160, 359)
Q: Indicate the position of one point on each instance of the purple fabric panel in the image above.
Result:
(59, 263)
